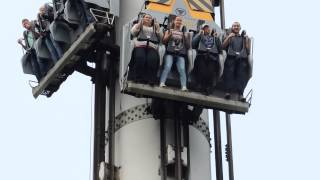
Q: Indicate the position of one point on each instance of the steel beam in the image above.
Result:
(217, 145)
(229, 147)
(112, 82)
(99, 114)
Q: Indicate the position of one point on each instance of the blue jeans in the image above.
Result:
(180, 63)
(54, 48)
(44, 65)
(35, 65)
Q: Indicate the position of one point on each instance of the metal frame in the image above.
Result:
(68, 58)
(107, 15)
(99, 114)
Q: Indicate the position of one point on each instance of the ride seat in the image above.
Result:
(42, 49)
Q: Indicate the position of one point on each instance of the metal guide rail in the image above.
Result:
(56, 75)
(211, 102)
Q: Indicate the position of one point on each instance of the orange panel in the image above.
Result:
(161, 7)
(198, 14)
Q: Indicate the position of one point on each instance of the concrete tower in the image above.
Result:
(137, 136)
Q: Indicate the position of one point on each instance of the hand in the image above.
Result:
(157, 26)
(231, 35)
(20, 40)
(215, 34)
(201, 32)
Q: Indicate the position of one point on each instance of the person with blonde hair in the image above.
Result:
(176, 52)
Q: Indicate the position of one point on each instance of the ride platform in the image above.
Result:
(66, 64)
(211, 101)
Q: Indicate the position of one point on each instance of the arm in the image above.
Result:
(218, 43)
(166, 36)
(226, 42)
(196, 40)
(135, 29)
(187, 38)
(20, 42)
(248, 44)
(157, 30)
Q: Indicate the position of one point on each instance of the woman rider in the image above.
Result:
(176, 51)
(145, 58)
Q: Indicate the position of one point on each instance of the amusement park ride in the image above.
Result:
(150, 133)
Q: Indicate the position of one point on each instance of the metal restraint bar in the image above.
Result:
(103, 15)
(68, 58)
(212, 102)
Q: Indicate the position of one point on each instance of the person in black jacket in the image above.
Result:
(236, 66)
(206, 65)
(45, 17)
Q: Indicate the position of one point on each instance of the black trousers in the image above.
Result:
(144, 65)
(235, 74)
(206, 70)
(35, 65)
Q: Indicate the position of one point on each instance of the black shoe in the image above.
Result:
(197, 88)
(227, 95)
(241, 98)
(208, 91)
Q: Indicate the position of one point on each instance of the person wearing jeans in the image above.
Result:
(176, 51)
(180, 62)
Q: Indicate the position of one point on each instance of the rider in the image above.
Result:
(145, 58)
(206, 66)
(176, 50)
(44, 20)
(236, 67)
(30, 36)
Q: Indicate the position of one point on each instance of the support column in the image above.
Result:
(217, 145)
(229, 147)
(178, 165)
(222, 15)
(163, 147)
(99, 113)
(112, 80)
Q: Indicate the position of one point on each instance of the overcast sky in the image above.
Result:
(278, 139)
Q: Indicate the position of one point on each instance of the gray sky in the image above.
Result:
(277, 139)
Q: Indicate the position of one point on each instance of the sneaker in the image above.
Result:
(162, 85)
(184, 88)
(227, 95)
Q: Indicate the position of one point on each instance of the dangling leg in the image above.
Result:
(182, 72)
(139, 64)
(241, 77)
(56, 46)
(168, 60)
(35, 65)
(51, 48)
(152, 66)
(228, 76)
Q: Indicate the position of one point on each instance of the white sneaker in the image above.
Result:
(184, 88)
(162, 85)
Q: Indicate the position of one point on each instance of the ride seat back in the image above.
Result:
(72, 13)
(26, 63)
(42, 49)
(61, 32)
